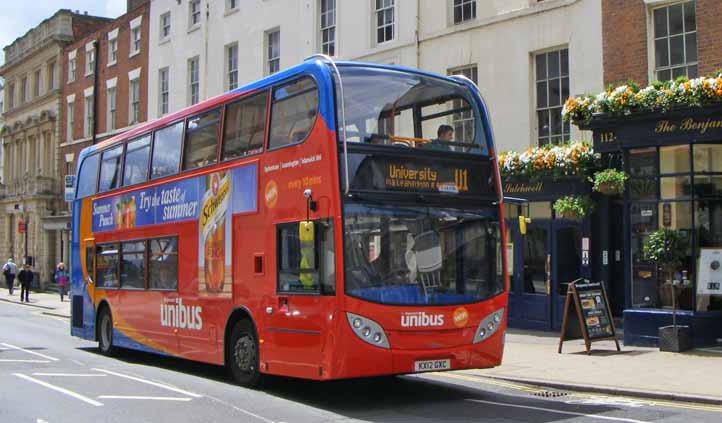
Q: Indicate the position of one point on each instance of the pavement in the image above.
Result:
(531, 357)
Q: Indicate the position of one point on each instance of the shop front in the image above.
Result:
(673, 161)
(550, 253)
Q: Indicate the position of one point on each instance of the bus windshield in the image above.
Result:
(412, 255)
(394, 108)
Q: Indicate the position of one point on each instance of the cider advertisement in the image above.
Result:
(214, 244)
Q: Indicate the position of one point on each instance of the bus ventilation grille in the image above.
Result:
(77, 311)
(550, 394)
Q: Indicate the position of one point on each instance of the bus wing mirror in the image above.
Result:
(522, 224)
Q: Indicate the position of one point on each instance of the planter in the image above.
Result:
(571, 215)
(675, 338)
(610, 188)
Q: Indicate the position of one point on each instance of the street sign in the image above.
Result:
(22, 226)
(69, 188)
(588, 302)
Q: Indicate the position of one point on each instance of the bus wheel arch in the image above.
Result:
(104, 329)
(241, 336)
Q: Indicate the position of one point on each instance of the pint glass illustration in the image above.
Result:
(213, 272)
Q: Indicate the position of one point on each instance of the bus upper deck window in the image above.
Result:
(110, 169)
(88, 176)
(136, 161)
(201, 145)
(293, 112)
(245, 124)
(166, 151)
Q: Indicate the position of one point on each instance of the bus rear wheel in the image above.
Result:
(243, 357)
(105, 332)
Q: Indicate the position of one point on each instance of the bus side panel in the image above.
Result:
(82, 326)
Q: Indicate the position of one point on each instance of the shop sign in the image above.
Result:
(69, 188)
(587, 302)
(544, 188)
(681, 126)
(709, 273)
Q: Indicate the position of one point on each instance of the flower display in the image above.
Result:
(574, 207)
(574, 159)
(657, 97)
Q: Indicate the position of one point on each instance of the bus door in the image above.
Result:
(297, 313)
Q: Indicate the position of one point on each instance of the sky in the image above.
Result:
(19, 16)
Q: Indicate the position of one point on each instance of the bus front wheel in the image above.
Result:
(105, 332)
(243, 357)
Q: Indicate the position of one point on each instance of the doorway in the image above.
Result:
(545, 260)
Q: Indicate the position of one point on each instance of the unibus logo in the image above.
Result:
(271, 195)
(421, 319)
(177, 315)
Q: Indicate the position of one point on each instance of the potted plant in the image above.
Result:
(668, 248)
(609, 181)
(573, 207)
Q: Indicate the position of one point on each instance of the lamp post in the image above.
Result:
(26, 222)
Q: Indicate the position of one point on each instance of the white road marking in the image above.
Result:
(59, 389)
(241, 410)
(143, 398)
(160, 385)
(70, 374)
(10, 360)
(555, 411)
(30, 352)
(78, 362)
(41, 421)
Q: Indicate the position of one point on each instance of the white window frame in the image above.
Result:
(194, 16)
(165, 28)
(134, 96)
(652, 41)
(72, 65)
(37, 82)
(112, 102)
(88, 113)
(136, 36)
(272, 62)
(452, 10)
(52, 75)
(386, 6)
(24, 94)
(70, 100)
(232, 5)
(231, 74)
(89, 59)
(459, 121)
(548, 80)
(163, 90)
(327, 25)
(113, 47)
(194, 84)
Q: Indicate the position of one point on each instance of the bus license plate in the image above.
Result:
(432, 365)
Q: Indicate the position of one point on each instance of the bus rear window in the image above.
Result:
(166, 151)
(293, 112)
(88, 176)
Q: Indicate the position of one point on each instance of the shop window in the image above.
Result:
(306, 257)
(708, 158)
(540, 210)
(166, 150)
(244, 129)
(674, 159)
(132, 265)
(708, 228)
(163, 263)
(201, 144)
(708, 186)
(674, 187)
(643, 162)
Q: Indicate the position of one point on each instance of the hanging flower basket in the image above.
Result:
(609, 181)
(573, 207)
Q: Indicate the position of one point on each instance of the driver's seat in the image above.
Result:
(428, 260)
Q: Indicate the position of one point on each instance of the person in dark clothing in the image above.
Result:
(10, 270)
(26, 279)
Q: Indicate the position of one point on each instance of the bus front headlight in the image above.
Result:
(364, 328)
(489, 325)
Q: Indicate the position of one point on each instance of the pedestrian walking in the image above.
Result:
(26, 279)
(10, 270)
(62, 278)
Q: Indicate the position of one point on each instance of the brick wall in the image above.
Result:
(119, 70)
(624, 27)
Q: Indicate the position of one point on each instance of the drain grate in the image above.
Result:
(550, 394)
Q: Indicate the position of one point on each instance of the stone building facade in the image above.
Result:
(31, 188)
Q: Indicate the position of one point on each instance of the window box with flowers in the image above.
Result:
(576, 159)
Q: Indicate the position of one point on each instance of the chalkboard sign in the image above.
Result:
(588, 302)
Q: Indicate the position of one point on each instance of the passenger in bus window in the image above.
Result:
(445, 134)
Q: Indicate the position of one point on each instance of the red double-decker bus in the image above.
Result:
(333, 220)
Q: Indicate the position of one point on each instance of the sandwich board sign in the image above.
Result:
(587, 302)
